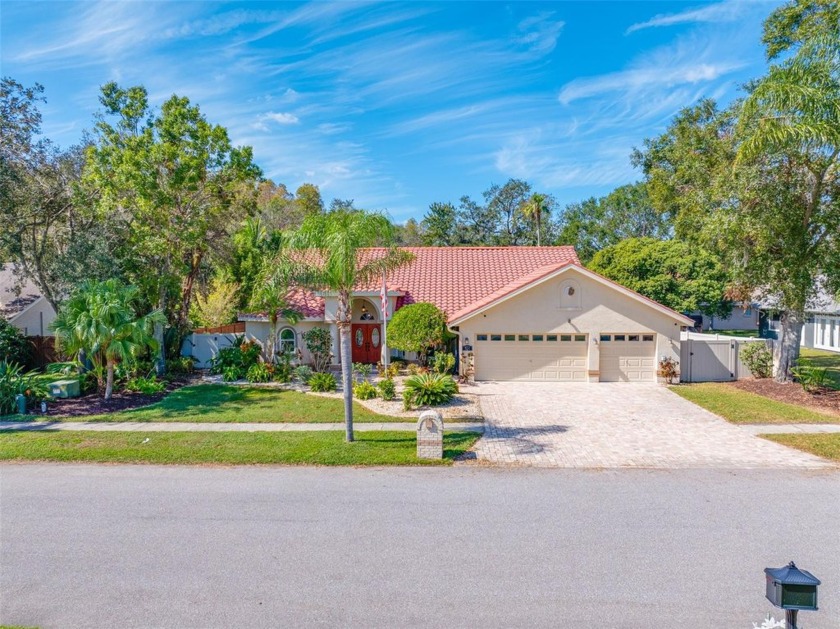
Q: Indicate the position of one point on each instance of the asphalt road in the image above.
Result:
(137, 546)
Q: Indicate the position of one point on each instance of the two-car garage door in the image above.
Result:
(563, 357)
(539, 357)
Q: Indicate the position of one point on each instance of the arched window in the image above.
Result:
(570, 295)
(287, 341)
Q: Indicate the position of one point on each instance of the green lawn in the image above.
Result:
(741, 407)
(219, 403)
(826, 445)
(738, 333)
(829, 360)
(231, 448)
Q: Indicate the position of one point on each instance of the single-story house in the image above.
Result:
(822, 326)
(520, 313)
(740, 317)
(821, 329)
(22, 305)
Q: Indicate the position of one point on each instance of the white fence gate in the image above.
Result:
(203, 347)
(713, 358)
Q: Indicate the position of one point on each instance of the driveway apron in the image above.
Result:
(616, 425)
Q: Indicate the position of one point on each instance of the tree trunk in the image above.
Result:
(160, 361)
(109, 379)
(538, 231)
(343, 321)
(786, 348)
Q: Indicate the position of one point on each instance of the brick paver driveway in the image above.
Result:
(616, 425)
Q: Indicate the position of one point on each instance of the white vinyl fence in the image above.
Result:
(713, 357)
(203, 347)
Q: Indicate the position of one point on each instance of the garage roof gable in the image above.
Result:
(549, 272)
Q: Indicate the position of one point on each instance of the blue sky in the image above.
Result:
(397, 105)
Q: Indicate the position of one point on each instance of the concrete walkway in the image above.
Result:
(225, 427)
(617, 425)
(781, 429)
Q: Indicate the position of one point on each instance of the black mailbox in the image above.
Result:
(792, 588)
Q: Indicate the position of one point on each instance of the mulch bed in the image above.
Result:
(827, 400)
(95, 404)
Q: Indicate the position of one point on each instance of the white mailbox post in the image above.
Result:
(430, 435)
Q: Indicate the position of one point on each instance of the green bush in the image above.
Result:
(443, 363)
(232, 373)
(318, 342)
(428, 389)
(364, 391)
(148, 385)
(417, 328)
(812, 378)
(242, 355)
(758, 358)
(283, 369)
(322, 382)
(66, 368)
(303, 373)
(13, 382)
(414, 369)
(387, 389)
(363, 370)
(181, 366)
(261, 372)
(14, 348)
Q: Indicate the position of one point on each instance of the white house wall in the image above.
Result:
(602, 310)
(36, 319)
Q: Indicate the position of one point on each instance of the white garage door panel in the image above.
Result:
(545, 361)
(628, 361)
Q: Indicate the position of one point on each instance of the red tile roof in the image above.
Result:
(455, 278)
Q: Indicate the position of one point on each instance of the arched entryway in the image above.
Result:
(366, 332)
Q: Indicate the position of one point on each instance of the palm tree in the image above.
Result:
(534, 209)
(99, 319)
(332, 262)
(270, 294)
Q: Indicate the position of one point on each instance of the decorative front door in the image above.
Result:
(366, 339)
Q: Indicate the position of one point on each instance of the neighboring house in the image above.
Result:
(24, 306)
(741, 317)
(822, 322)
(822, 326)
(520, 313)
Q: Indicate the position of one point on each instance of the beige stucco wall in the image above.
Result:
(258, 331)
(601, 309)
(36, 320)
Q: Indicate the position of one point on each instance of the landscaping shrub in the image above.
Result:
(443, 363)
(362, 370)
(261, 372)
(181, 366)
(391, 371)
(812, 378)
(303, 373)
(414, 369)
(364, 391)
(231, 373)
(387, 389)
(14, 381)
(148, 385)
(283, 369)
(668, 369)
(241, 355)
(14, 348)
(65, 368)
(417, 328)
(318, 342)
(322, 382)
(758, 358)
(428, 389)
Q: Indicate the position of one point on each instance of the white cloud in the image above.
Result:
(539, 33)
(721, 12)
(280, 117)
(645, 78)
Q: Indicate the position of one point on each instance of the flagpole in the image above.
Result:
(384, 305)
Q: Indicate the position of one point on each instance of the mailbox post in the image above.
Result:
(791, 589)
